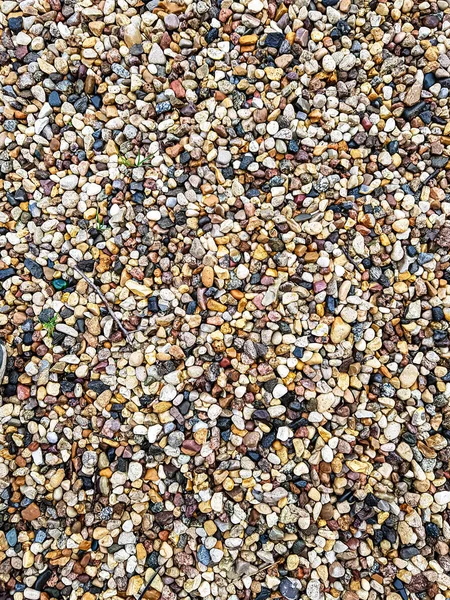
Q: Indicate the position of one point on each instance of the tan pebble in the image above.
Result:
(208, 276)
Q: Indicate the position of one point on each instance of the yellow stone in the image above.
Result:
(339, 330)
(217, 306)
(200, 436)
(137, 288)
(357, 466)
(247, 40)
(210, 527)
(55, 480)
(141, 553)
(274, 74)
(134, 585)
(260, 253)
(161, 407)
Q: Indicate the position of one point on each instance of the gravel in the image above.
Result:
(224, 266)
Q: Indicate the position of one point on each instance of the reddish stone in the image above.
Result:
(137, 273)
(366, 123)
(165, 41)
(31, 512)
(265, 280)
(319, 286)
(190, 447)
(174, 151)
(178, 89)
(23, 392)
(225, 14)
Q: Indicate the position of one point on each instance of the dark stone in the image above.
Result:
(399, 586)
(342, 28)
(81, 104)
(42, 579)
(98, 386)
(11, 199)
(268, 439)
(392, 147)
(164, 518)
(35, 269)
(413, 111)
(46, 315)
(439, 162)
(274, 40)
(97, 102)
(6, 273)
(228, 172)
(87, 266)
(408, 552)
(246, 160)
(389, 534)
(153, 304)
(136, 50)
(66, 313)
(426, 116)
(438, 314)
(429, 80)
(15, 24)
(263, 594)
(432, 530)
(289, 588)
(431, 21)
(212, 35)
(165, 223)
(54, 100)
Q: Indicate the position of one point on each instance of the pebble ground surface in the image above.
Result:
(225, 297)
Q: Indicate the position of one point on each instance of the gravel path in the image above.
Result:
(225, 300)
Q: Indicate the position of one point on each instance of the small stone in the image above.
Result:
(156, 56)
(339, 330)
(31, 512)
(408, 376)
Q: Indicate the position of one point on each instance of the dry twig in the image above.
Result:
(105, 302)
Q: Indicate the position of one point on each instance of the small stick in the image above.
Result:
(277, 562)
(105, 302)
(141, 595)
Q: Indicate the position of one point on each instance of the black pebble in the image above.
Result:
(15, 24)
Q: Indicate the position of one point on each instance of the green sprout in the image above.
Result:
(138, 161)
(123, 160)
(50, 325)
(99, 225)
(141, 160)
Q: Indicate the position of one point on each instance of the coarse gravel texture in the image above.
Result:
(225, 299)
